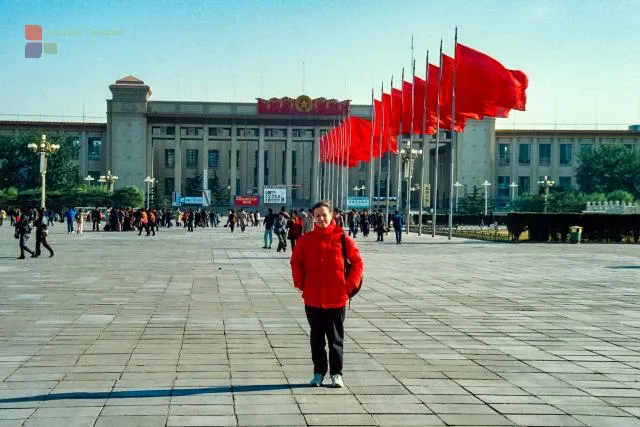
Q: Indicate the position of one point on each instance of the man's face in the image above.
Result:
(322, 216)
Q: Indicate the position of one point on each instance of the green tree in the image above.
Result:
(127, 197)
(620, 196)
(20, 167)
(473, 202)
(193, 186)
(219, 194)
(609, 168)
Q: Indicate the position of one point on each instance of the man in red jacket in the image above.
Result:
(318, 269)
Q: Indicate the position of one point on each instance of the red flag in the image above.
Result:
(407, 107)
(360, 140)
(418, 104)
(446, 88)
(485, 86)
(432, 99)
(396, 110)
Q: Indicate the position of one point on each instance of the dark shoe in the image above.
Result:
(34, 256)
(21, 257)
(264, 247)
(51, 255)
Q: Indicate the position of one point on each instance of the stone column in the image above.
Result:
(83, 155)
(261, 162)
(288, 172)
(205, 147)
(178, 166)
(315, 165)
(233, 172)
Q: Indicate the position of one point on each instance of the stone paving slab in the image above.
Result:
(204, 328)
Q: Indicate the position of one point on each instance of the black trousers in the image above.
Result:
(42, 241)
(326, 323)
(23, 245)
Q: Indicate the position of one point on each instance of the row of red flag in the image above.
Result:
(483, 88)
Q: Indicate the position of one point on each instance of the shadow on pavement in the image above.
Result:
(626, 267)
(129, 394)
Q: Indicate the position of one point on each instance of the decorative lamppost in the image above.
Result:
(546, 183)
(43, 148)
(407, 156)
(457, 185)
(486, 185)
(109, 179)
(513, 186)
(149, 182)
(361, 188)
(89, 178)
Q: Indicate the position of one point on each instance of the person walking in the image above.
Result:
(232, 220)
(242, 219)
(42, 232)
(189, 220)
(23, 233)
(380, 226)
(398, 223)
(295, 229)
(280, 230)
(70, 216)
(95, 219)
(79, 222)
(269, 219)
(308, 222)
(353, 220)
(318, 271)
(365, 223)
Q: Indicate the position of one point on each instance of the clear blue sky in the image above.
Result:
(581, 56)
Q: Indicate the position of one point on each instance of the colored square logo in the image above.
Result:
(33, 32)
(33, 50)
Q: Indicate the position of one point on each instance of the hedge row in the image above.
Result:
(557, 226)
(458, 219)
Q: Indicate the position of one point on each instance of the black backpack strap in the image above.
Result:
(343, 245)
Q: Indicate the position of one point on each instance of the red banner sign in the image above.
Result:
(303, 105)
(246, 201)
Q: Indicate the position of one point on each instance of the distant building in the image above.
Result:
(275, 142)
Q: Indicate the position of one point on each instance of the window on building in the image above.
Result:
(255, 168)
(170, 130)
(564, 182)
(75, 146)
(247, 132)
(363, 166)
(544, 154)
(163, 131)
(503, 186)
(95, 175)
(237, 159)
(524, 154)
(238, 191)
(385, 161)
(95, 148)
(169, 186)
(169, 158)
(192, 158)
(284, 166)
(213, 159)
(219, 132)
(190, 131)
(524, 185)
(504, 154)
(382, 185)
(566, 154)
(294, 169)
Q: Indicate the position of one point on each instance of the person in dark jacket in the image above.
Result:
(398, 223)
(280, 230)
(269, 219)
(41, 235)
(318, 270)
(23, 231)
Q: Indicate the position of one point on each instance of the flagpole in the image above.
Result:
(380, 145)
(400, 142)
(435, 172)
(347, 137)
(371, 165)
(413, 88)
(425, 142)
(389, 153)
(332, 163)
(453, 136)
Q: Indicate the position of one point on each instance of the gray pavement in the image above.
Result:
(204, 328)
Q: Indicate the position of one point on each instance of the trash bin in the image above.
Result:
(576, 234)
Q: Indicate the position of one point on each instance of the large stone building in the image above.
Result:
(248, 146)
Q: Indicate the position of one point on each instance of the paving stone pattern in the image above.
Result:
(204, 328)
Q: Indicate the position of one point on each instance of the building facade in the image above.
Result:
(245, 147)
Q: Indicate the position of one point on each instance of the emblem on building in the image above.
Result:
(304, 104)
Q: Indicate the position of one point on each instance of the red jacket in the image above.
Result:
(295, 230)
(317, 266)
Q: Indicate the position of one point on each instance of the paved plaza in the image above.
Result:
(205, 328)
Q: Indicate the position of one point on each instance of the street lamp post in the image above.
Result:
(513, 186)
(89, 178)
(457, 185)
(546, 183)
(43, 148)
(359, 188)
(486, 185)
(407, 156)
(149, 182)
(109, 179)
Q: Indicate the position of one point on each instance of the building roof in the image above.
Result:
(550, 133)
(129, 80)
(56, 126)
